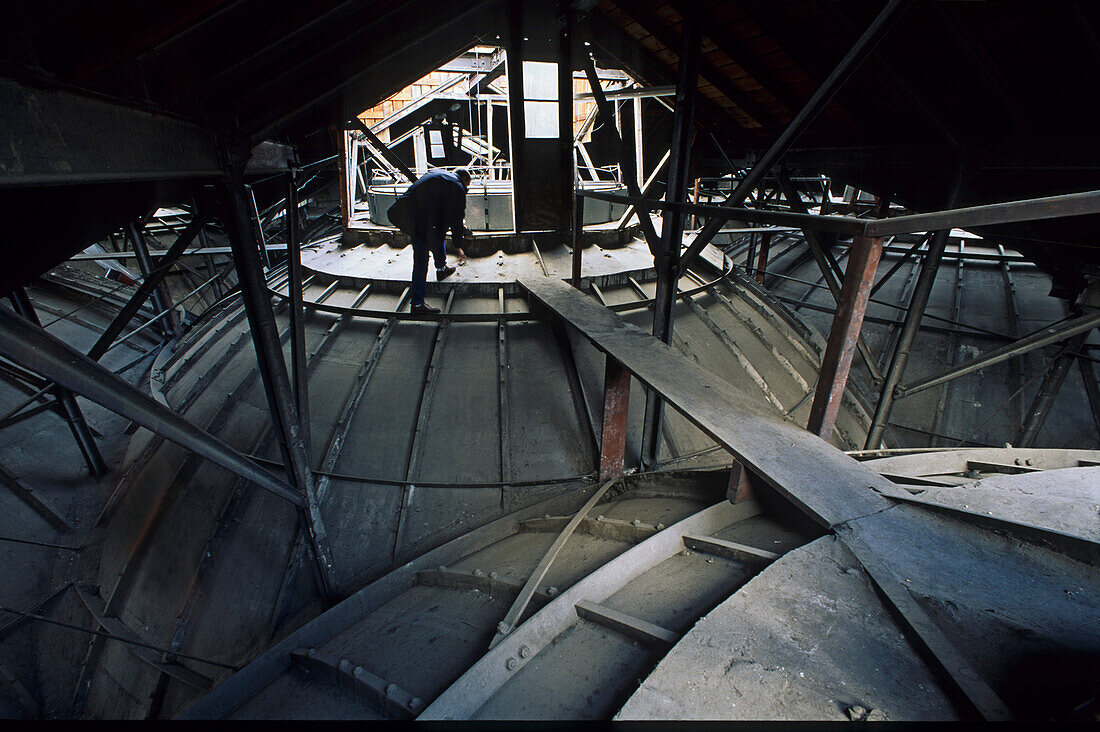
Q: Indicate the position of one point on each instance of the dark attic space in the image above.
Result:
(684, 360)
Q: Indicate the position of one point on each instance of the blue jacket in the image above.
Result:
(434, 203)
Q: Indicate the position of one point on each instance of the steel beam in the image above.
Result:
(383, 150)
(627, 170)
(1044, 400)
(672, 234)
(294, 285)
(578, 238)
(157, 146)
(909, 329)
(616, 399)
(843, 336)
(23, 343)
(69, 409)
(1009, 212)
(1038, 339)
(828, 266)
(269, 355)
(148, 286)
(762, 257)
(740, 487)
(161, 299)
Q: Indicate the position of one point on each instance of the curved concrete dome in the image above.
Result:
(422, 430)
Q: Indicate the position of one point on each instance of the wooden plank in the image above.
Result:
(926, 632)
(628, 625)
(828, 485)
(515, 613)
(728, 549)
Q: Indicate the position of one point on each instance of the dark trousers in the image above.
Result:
(423, 243)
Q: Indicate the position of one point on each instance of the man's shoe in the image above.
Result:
(424, 310)
(442, 274)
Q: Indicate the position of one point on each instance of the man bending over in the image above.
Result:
(434, 203)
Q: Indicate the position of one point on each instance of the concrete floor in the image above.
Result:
(187, 542)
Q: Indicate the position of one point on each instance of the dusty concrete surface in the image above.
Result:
(806, 639)
(387, 263)
(1065, 500)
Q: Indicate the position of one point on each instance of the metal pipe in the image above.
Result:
(148, 287)
(1038, 339)
(625, 168)
(69, 409)
(1044, 400)
(269, 356)
(294, 285)
(259, 227)
(145, 264)
(672, 232)
(23, 343)
(909, 329)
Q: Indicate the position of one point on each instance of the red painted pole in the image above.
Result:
(844, 335)
(616, 399)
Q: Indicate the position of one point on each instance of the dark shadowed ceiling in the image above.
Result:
(1003, 89)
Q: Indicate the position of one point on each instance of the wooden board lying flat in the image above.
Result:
(824, 482)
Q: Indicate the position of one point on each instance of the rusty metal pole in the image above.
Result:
(616, 399)
(741, 484)
(844, 334)
(762, 261)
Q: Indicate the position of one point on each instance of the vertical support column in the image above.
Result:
(567, 154)
(269, 355)
(342, 163)
(171, 324)
(639, 146)
(1044, 400)
(297, 314)
(762, 260)
(616, 399)
(69, 409)
(578, 238)
(262, 240)
(843, 336)
(909, 329)
(740, 486)
(667, 260)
